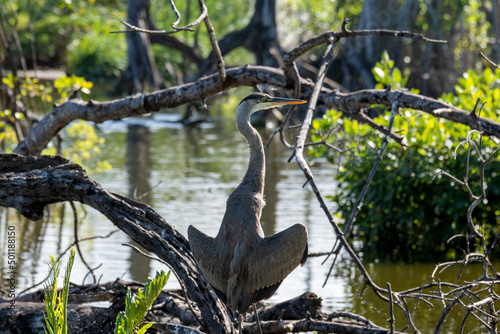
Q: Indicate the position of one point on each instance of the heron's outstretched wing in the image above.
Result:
(277, 257)
(204, 252)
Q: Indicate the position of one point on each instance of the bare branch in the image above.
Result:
(43, 180)
(361, 197)
(188, 27)
(215, 46)
(77, 241)
(489, 60)
(302, 48)
(353, 103)
(391, 320)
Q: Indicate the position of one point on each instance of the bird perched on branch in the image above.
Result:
(241, 263)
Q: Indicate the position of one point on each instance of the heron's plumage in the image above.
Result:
(241, 263)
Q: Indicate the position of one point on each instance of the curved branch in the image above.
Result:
(99, 112)
(350, 103)
(176, 29)
(39, 181)
(302, 48)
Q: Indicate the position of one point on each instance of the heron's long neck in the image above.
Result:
(254, 176)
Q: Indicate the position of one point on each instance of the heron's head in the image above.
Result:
(261, 101)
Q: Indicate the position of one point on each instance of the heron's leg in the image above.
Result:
(257, 317)
(240, 320)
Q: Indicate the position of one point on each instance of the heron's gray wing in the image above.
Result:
(204, 252)
(276, 258)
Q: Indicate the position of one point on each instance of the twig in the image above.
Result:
(215, 46)
(202, 16)
(489, 60)
(391, 320)
(442, 318)
(359, 202)
(75, 229)
(62, 254)
(299, 157)
(302, 48)
(352, 316)
(91, 271)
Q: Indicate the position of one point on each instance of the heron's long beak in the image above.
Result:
(280, 101)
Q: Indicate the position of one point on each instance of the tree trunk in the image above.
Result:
(260, 36)
(141, 70)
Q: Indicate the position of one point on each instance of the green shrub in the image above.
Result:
(410, 211)
(137, 306)
(56, 318)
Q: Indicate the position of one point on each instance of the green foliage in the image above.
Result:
(56, 304)
(67, 85)
(29, 87)
(387, 75)
(408, 201)
(93, 52)
(75, 35)
(474, 86)
(82, 142)
(137, 306)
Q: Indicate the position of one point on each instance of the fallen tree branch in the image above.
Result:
(176, 29)
(302, 48)
(320, 326)
(137, 105)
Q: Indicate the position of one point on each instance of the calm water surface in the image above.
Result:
(186, 174)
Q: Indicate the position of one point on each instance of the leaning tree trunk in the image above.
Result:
(141, 70)
(260, 36)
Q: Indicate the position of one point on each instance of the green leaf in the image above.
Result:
(137, 306)
(396, 76)
(145, 328)
(56, 319)
(316, 124)
(378, 73)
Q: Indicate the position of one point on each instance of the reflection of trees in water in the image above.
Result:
(139, 163)
(138, 160)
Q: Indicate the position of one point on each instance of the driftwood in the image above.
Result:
(30, 183)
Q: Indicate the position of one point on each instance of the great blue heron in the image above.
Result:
(241, 264)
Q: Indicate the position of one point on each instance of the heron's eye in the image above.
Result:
(263, 99)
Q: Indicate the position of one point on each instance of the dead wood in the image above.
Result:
(352, 104)
(306, 305)
(170, 313)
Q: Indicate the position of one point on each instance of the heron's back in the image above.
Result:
(249, 269)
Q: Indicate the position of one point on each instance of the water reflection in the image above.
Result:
(139, 174)
(139, 162)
